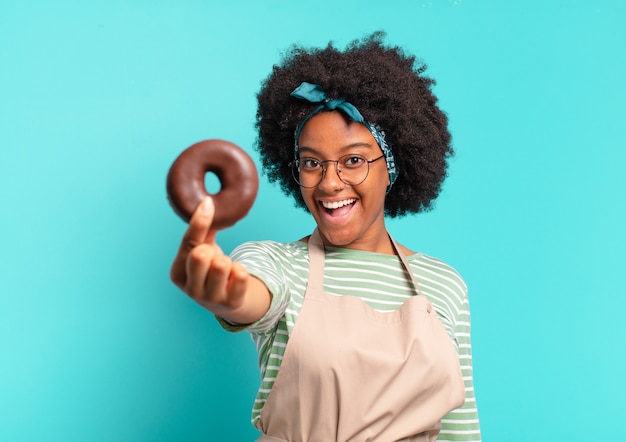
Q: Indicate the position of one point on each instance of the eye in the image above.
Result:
(310, 164)
(352, 161)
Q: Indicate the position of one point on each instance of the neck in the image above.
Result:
(379, 243)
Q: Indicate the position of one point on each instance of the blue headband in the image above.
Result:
(315, 94)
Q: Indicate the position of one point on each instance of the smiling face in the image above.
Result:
(347, 216)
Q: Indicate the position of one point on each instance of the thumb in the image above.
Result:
(207, 207)
(199, 229)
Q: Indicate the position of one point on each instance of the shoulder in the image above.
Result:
(438, 270)
(442, 284)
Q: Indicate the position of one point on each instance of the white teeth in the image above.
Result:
(337, 204)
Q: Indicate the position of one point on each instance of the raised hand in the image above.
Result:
(206, 274)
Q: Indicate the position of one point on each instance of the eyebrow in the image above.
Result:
(346, 148)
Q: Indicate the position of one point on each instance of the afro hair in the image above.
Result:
(389, 89)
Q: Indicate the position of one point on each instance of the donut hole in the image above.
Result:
(212, 183)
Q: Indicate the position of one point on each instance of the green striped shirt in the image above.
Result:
(378, 279)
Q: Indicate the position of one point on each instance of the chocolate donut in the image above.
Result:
(235, 170)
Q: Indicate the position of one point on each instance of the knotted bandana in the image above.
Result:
(315, 94)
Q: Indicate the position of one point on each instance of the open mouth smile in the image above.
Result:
(338, 208)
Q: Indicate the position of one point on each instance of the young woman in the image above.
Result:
(359, 338)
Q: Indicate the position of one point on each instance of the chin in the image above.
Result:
(338, 239)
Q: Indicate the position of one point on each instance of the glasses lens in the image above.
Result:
(307, 172)
(353, 169)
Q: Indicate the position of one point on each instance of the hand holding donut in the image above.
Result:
(200, 268)
(203, 271)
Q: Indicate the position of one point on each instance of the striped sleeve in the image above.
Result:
(462, 424)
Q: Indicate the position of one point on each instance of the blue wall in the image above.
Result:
(96, 100)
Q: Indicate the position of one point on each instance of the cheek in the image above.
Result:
(383, 181)
(307, 196)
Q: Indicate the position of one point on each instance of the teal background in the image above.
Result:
(97, 99)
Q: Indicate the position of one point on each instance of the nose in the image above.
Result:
(330, 177)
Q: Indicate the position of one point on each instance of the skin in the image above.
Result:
(212, 279)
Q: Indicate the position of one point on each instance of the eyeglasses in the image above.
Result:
(352, 169)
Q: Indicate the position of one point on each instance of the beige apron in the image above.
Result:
(353, 374)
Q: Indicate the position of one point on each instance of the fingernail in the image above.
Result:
(208, 205)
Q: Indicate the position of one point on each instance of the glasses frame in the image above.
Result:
(295, 169)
